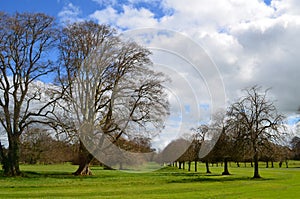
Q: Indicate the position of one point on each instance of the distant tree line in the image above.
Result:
(39, 146)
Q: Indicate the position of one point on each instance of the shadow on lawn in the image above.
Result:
(33, 174)
(181, 176)
(216, 178)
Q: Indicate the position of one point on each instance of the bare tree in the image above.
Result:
(224, 146)
(257, 121)
(201, 133)
(25, 40)
(109, 86)
(221, 140)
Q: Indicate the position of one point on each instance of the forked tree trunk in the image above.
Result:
(85, 159)
(207, 167)
(225, 172)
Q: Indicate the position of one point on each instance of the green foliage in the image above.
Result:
(56, 181)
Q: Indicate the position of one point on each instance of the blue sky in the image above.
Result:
(53, 7)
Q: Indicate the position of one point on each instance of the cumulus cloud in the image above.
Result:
(129, 18)
(250, 42)
(105, 2)
(70, 13)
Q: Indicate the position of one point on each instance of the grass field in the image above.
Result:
(56, 181)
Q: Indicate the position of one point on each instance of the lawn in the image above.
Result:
(56, 181)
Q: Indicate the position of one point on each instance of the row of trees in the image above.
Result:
(39, 146)
(97, 80)
(250, 130)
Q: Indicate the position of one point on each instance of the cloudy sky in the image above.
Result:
(235, 43)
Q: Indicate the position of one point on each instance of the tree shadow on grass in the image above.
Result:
(33, 174)
(216, 178)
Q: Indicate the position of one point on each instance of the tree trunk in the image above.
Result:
(179, 165)
(225, 172)
(10, 160)
(85, 159)
(83, 169)
(267, 164)
(207, 167)
(195, 166)
(256, 173)
(272, 164)
(189, 165)
(183, 165)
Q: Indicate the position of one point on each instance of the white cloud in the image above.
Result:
(286, 7)
(105, 2)
(106, 16)
(70, 13)
(214, 14)
(129, 18)
(251, 43)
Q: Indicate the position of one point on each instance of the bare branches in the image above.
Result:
(255, 120)
(110, 82)
(26, 38)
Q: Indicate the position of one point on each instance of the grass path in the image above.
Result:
(56, 181)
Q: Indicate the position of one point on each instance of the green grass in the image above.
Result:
(56, 181)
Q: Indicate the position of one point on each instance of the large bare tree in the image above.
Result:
(256, 121)
(110, 86)
(25, 41)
